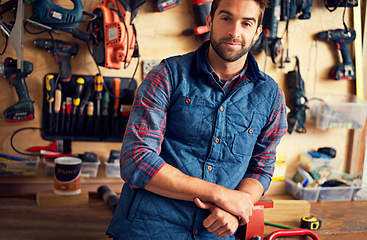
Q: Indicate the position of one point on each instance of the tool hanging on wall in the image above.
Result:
(201, 9)
(298, 101)
(332, 5)
(163, 5)
(279, 10)
(16, 71)
(47, 14)
(62, 51)
(341, 38)
(116, 42)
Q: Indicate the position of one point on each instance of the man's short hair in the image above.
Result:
(262, 4)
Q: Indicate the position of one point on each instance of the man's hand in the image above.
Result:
(239, 204)
(219, 222)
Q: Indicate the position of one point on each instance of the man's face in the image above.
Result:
(234, 28)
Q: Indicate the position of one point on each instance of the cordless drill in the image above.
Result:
(341, 37)
(23, 110)
(62, 51)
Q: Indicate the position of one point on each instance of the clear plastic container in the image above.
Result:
(339, 111)
(335, 194)
(310, 194)
(112, 170)
(16, 166)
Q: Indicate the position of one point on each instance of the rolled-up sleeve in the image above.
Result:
(261, 165)
(140, 160)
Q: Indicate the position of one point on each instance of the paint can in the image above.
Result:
(67, 177)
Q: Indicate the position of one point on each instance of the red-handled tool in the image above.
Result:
(293, 232)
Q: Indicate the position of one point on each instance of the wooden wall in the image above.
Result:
(159, 36)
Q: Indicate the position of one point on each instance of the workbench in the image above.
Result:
(21, 218)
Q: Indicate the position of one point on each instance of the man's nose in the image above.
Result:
(234, 30)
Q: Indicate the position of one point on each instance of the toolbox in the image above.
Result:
(87, 110)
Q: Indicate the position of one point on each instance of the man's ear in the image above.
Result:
(258, 31)
(209, 21)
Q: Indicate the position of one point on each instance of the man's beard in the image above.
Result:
(223, 53)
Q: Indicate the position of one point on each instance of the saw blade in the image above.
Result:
(17, 34)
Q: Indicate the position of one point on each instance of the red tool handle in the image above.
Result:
(293, 232)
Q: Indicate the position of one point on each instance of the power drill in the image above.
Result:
(23, 110)
(341, 37)
(62, 51)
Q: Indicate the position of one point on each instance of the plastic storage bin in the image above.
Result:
(339, 111)
(16, 166)
(335, 194)
(112, 170)
(310, 194)
(309, 163)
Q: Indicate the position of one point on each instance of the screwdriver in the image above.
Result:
(98, 87)
(76, 101)
(50, 97)
(116, 91)
(84, 102)
(88, 125)
(105, 103)
(57, 107)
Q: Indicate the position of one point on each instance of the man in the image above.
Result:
(199, 148)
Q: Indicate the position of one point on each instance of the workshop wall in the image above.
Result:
(160, 35)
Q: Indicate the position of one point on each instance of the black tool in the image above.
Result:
(63, 116)
(163, 5)
(16, 72)
(89, 122)
(23, 109)
(76, 101)
(298, 101)
(62, 51)
(84, 102)
(105, 103)
(49, 15)
(201, 9)
(341, 38)
(109, 197)
(311, 222)
(69, 102)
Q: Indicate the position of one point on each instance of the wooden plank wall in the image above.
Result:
(159, 36)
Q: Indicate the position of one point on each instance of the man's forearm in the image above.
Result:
(172, 183)
(251, 186)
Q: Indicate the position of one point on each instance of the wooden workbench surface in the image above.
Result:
(21, 218)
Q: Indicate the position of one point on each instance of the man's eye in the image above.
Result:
(225, 18)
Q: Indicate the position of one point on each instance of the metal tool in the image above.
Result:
(57, 106)
(50, 97)
(62, 51)
(201, 9)
(341, 38)
(298, 101)
(115, 35)
(53, 16)
(16, 72)
(76, 101)
(83, 104)
(163, 5)
(116, 91)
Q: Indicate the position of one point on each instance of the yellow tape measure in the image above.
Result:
(311, 223)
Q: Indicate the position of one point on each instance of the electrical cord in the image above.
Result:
(19, 130)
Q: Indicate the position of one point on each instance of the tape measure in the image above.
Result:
(311, 223)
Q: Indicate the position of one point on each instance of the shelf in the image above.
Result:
(41, 182)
